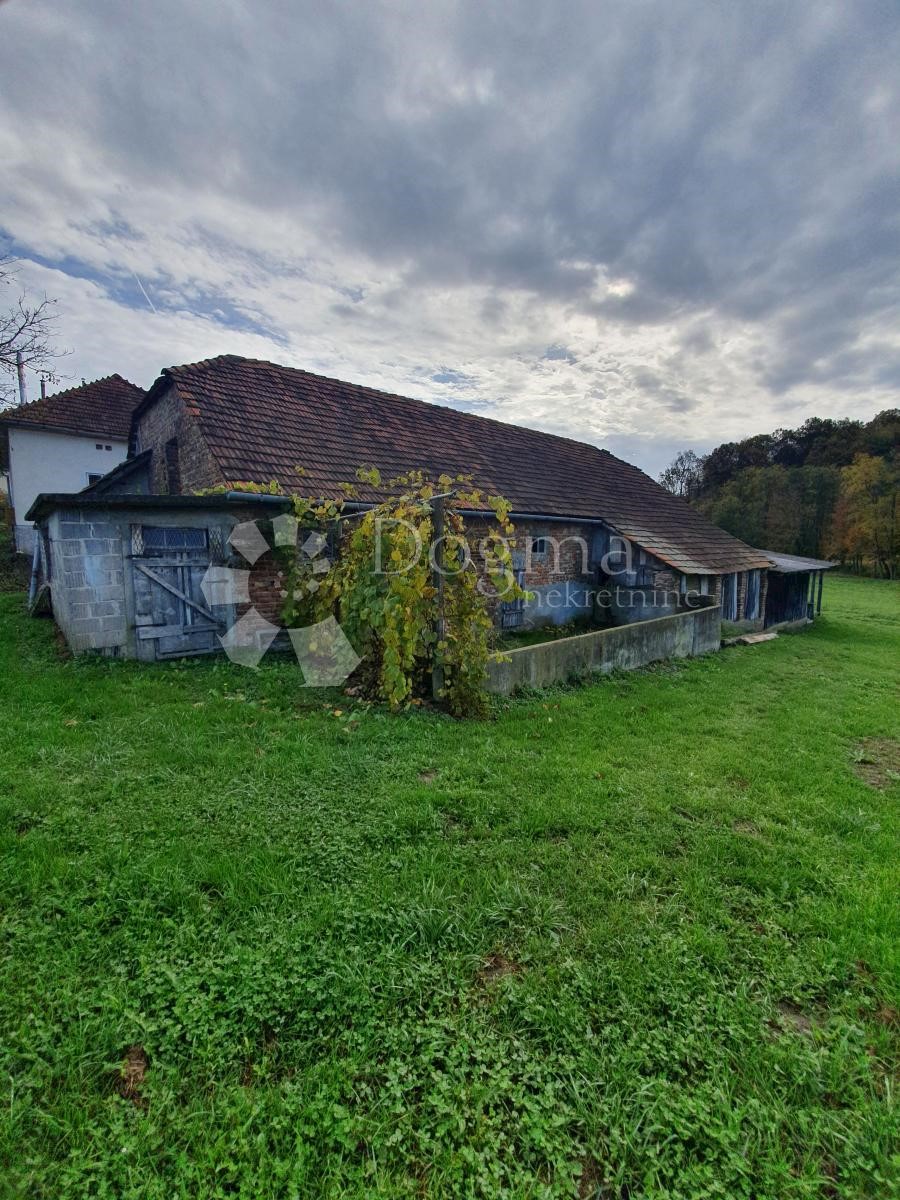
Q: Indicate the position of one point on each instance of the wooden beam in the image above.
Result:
(170, 587)
(165, 631)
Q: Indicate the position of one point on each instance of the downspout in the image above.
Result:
(35, 567)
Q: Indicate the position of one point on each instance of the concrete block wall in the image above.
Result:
(620, 648)
(92, 572)
(87, 575)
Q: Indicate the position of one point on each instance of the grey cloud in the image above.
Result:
(735, 160)
(653, 384)
(559, 354)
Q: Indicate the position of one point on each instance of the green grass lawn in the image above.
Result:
(634, 939)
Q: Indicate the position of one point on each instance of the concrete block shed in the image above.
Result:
(124, 572)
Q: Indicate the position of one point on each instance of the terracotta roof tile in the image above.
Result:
(102, 408)
(263, 421)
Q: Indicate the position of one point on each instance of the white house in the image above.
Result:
(64, 442)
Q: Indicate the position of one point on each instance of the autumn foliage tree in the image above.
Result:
(866, 525)
(802, 491)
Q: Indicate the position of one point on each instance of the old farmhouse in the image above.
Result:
(231, 421)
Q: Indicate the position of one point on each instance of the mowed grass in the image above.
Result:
(634, 939)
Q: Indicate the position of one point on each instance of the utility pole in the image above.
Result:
(20, 371)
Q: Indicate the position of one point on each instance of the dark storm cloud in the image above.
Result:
(740, 160)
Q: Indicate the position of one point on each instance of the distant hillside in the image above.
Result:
(827, 489)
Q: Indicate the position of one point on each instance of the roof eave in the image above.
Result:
(68, 430)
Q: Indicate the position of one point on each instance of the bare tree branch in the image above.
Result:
(27, 329)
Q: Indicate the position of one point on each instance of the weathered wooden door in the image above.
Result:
(171, 616)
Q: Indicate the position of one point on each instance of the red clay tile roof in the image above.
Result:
(261, 421)
(102, 408)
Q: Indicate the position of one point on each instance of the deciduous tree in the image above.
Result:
(27, 330)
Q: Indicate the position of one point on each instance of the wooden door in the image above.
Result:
(171, 616)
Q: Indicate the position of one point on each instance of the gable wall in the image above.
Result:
(187, 466)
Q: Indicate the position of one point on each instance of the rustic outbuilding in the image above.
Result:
(123, 561)
(127, 575)
(585, 519)
(794, 594)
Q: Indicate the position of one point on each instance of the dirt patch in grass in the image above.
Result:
(685, 815)
(590, 1179)
(130, 1077)
(497, 967)
(792, 1019)
(747, 828)
(427, 776)
(889, 1016)
(876, 761)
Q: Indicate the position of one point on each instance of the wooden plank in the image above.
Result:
(163, 631)
(170, 587)
(188, 653)
(751, 639)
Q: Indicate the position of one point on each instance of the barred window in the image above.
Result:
(163, 539)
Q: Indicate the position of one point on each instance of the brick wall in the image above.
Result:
(568, 560)
(180, 460)
(268, 580)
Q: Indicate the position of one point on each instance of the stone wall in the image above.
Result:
(621, 648)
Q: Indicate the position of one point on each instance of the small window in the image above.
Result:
(98, 445)
(107, 447)
(93, 477)
(538, 547)
(166, 539)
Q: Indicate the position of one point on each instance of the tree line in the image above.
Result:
(829, 489)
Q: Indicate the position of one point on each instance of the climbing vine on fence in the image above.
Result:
(411, 622)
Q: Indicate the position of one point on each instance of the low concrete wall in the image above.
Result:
(558, 603)
(621, 648)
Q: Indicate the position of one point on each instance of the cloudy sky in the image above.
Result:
(646, 225)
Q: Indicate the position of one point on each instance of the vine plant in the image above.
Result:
(384, 588)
